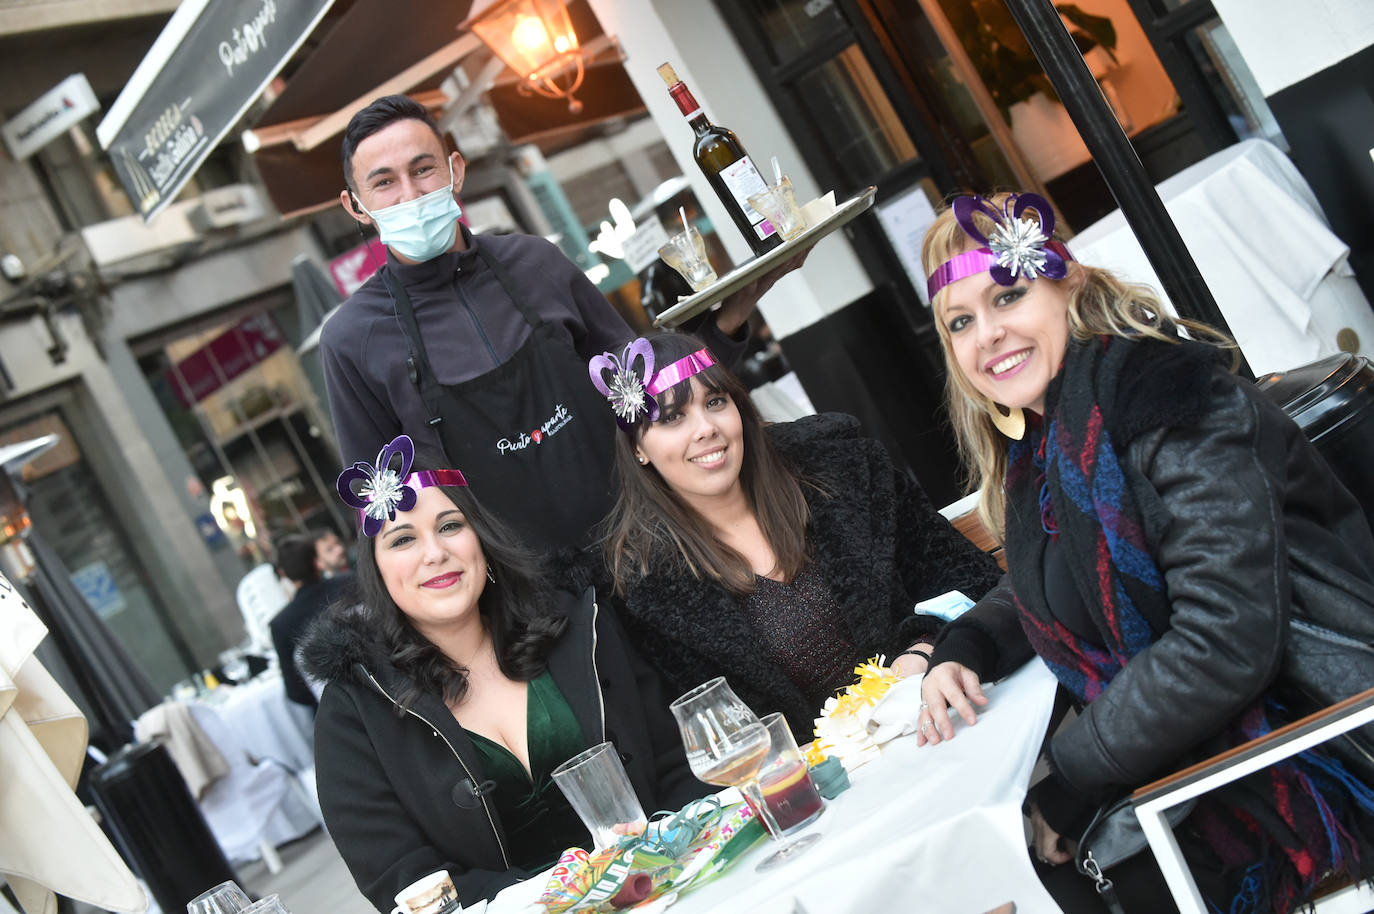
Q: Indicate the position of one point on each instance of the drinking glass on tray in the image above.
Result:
(225, 898)
(727, 745)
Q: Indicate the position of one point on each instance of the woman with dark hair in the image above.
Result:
(456, 683)
(779, 556)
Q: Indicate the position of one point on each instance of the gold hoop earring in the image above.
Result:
(1011, 423)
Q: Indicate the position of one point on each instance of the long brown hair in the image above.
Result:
(649, 516)
(1099, 305)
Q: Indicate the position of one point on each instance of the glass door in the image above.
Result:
(958, 82)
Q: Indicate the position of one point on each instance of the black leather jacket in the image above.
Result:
(1269, 566)
(397, 788)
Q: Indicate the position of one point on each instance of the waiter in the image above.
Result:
(478, 345)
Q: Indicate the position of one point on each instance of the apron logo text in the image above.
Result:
(551, 426)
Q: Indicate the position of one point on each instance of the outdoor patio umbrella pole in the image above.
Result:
(1115, 157)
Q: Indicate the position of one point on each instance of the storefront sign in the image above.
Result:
(353, 267)
(224, 358)
(208, 65)
(56, 111)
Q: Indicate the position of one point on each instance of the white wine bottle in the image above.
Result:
(726, 165)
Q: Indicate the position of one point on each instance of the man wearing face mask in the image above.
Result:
(478, 345)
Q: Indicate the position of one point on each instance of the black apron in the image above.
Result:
(533, 437)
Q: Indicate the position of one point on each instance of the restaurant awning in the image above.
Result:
(296, 141)
(213, 61)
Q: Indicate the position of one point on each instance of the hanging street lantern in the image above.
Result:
(535, 38)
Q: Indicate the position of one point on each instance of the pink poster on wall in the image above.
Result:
(224, 358)
(352, 268)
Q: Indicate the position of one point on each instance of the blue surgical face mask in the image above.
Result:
(423, 228)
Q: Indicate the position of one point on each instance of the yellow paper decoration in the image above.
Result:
(874, 679)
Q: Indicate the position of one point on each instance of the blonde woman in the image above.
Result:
(1163, 523)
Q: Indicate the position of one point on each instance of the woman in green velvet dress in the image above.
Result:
(455, 685)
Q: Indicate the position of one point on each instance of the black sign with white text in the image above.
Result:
(212, 74)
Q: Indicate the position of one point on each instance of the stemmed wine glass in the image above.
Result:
(727, 745)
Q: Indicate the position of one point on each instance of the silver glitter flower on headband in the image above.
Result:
(627, 395)
(383, 491)
(380, 491)
(629, 374)
(1020, 247)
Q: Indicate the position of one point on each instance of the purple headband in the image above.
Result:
(382, 491)
(1018, 246)
(632, 390)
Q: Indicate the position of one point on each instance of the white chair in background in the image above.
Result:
(260, 597)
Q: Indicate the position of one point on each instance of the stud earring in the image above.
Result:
(642, 459)
(1011, 423)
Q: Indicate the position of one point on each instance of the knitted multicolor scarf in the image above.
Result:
(1276, 833)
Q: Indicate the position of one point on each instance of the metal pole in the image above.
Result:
(1115, 157)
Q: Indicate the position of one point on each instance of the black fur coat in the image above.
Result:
(876, 540)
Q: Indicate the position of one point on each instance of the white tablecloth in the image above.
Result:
(1262, 243)
(929, 829)
(268, 725)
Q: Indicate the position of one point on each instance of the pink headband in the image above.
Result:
(382, 491)
(632, 391)
(1018, 246)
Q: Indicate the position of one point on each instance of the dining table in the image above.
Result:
(1260, 240)
(266, 723)
(922, 828)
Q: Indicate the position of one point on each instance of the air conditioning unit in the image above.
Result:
(226, 207)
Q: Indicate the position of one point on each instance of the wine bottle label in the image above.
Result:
(744, 181)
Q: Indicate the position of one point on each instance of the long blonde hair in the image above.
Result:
(1099, 305)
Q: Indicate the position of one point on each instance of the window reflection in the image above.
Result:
(855, 118)
(792, 26)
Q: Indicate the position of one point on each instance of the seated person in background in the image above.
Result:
(330, 555)
(778, 556)
(456, 683)
(313, 562)
(1163, 522)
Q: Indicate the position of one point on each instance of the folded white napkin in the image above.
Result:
(895, 713)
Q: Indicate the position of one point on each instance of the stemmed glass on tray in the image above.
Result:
(727, 745)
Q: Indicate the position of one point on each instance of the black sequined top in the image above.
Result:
(799, 628)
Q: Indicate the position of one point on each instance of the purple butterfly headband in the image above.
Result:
(1018, 246)
(634, 385)
(379, 491)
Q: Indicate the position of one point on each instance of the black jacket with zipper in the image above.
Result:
(400, 790)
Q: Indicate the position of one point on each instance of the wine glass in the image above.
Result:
(225, 898)
(727, 745)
